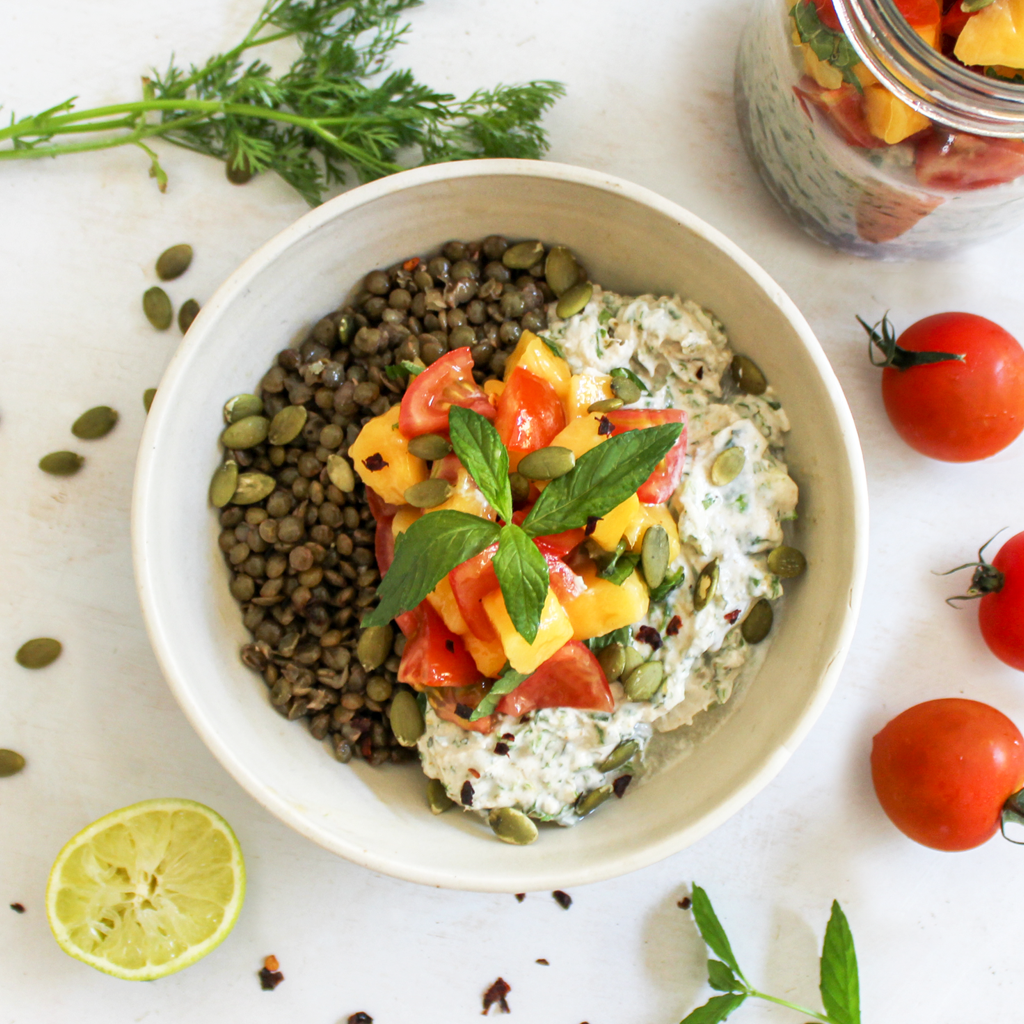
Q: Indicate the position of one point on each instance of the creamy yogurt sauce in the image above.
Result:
(680, 351)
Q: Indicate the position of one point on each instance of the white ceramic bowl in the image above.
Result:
(632, 241)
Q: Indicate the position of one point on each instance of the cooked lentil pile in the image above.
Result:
(296, 528)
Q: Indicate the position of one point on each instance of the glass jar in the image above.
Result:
(872, 139)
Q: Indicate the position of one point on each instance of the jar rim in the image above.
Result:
(925, 79)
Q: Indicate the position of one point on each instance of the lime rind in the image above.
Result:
(147, 890)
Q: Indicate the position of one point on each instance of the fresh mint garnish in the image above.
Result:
(480, 450)
(622, 635)
(827, 44)
(506, 683)
(403, 370)
(840, 984)
(667, 585)
(523, 578)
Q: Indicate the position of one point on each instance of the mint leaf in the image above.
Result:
(827, 44)
(621, 371)
(523, 578)
(555, 349)
(715, 1009)
(840, 987)
(429, 549)
(712, 931)
(622, 635)
(667, 585)
(508, 681)
(721, 978)
(403, 369)
(479, 447)
(602, 478)
(620, 568)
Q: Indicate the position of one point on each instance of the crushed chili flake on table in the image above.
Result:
(18, 908)
(674, 625)
(563, 899)
(520, 896)
(496, 994)
(270, 976)
(542, 961)
(684, 903)
(620, 784)
(360, 1018)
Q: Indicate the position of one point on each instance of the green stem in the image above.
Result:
(792, 1006)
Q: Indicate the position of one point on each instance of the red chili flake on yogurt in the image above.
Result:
(496, 994)
(501, 749)
(466, 794)
(700, 373)
(650, 636)
(674, 625)
(508, 736)
(605, 426)
(474, 773)
(375, 462)
(731, 617)
(563, 899)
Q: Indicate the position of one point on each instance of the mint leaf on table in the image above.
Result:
(602, 478)
(721, 978)
(715, 1010)
(434, 545)
(508, 681)
(523, 578)
(840, 986)
(480, 450)
(711, 929)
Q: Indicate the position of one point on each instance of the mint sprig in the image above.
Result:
(840, 991)
(523, 578)
(479, 448)
(506, 683)
(826, 43)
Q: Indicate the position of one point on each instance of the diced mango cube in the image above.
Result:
(404, 518)
(825, 74)
(863, 74)
(489, 655)
(611, 527)
(931, 33)
(382, 444)
(888, 117)
(584, 390)
(494, 387)
(532, 354)
(653, 515)
(442, 597)
(995, 35)
(604, 606)
(554, 631)
(580, 435)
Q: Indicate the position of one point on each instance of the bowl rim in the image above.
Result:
(231, 289)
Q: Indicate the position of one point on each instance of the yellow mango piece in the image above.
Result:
(404, 518)
(488, 655)
(467, 497)
(931, 34)
(653, 515)
(827, 76)
(494, 387)
(382, 437)
(584, 390)
(611, 527)
(580, 435)
(442, 597)
(603, 606)
(554, 631)
(532, 354)
(995, 35)
(864, 75)
(889, 118)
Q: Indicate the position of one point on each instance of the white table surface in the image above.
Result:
(650, 99)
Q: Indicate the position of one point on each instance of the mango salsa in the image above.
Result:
(603, 606)
(653, 515)
(611, 527)
(554, 631)
(995, 35)
(584, 390)
(888, 117)
(532, 354)
(391, 470)
(443, 599)
(580, 435)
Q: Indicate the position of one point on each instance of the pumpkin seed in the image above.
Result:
(727, 466)
(252, 487)
(11, 762)
(786, 562)
(38, 653)
(429, 447)
(512, 826)
(574, 300)
(61, 463)
(240, 406)
(406, 718)
(654, 553)
(592, 800)
(156, 304)
(520, 487)
(374, 646)
(224, 484)
(339, 472)
(147, 398)
(606, 405)
(523, 256)
(547, 463)
(706, 585)
(645, 680)
(613, 661)
(173, 262)
(624, 752)
(287, 424)
(94, 423)
(633, 658)
(247, 432)
(758, 623)
(437, 797)
(747, 376)
(624, 388)
(561, 271)
(188, 312)
(428, 493)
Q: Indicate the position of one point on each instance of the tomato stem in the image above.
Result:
(987, 579)
(1012, 814)
(891, 353)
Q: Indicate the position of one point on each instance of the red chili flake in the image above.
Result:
(269, 980)
(410, 265)
(463, 710)
(474, 773)
(674, 625)
(684, 903)
(375, 462)
(449, 646)
(271, 963)
(700, 373)
(360, 1018)
(466, 794)
(620, 784)
(520, 896)
(591, 526)
(649, 635)
(542, 961)
(731, 617)
(508, 735)
(366, 748)
(501, 749)
(525, 718)
(18, 908)
(563, 899)
(496, 994)
(605, 426)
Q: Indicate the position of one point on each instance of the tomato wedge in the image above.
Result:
(571, 678)
(530, 413)
(446, 382)
(384, 538)
(658, 487)
(434, 655)
(447, 702)
(960, 162)
(842, 109)
(471, 582)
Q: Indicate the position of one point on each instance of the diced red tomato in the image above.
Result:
(448, 468)
(471, 583)
(954, 19)
(843, 110)
(571, 678)
(959, 162)
(384, 539)
(447, 702)
(447, 382)
(921, 13)
(665, 479)
(561, 545)
(564, 582)
(827, 14)
(434, 655)
(530, 413)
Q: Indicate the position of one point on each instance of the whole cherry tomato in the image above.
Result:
(944, 770)
(953, 385)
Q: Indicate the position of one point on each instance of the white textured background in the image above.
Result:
(650, 99)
